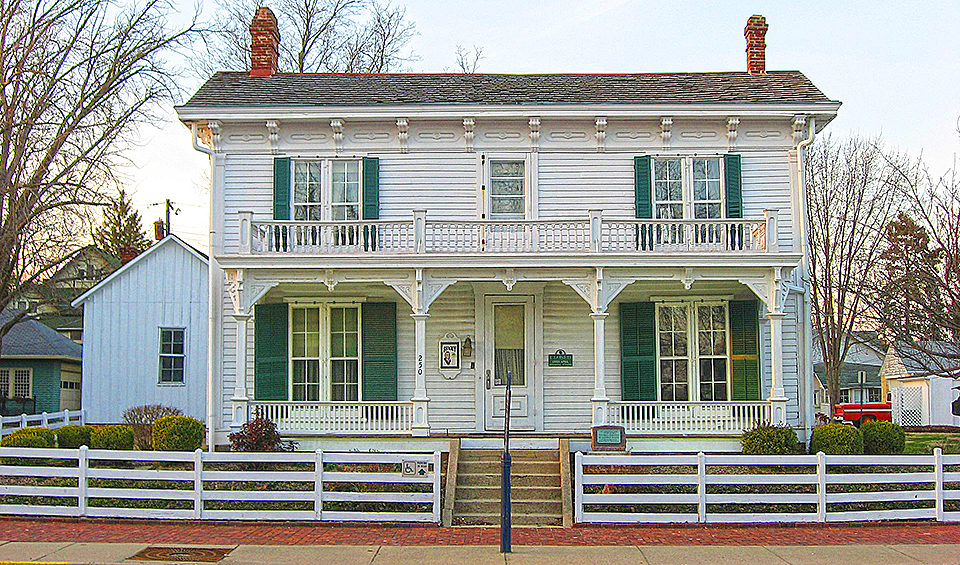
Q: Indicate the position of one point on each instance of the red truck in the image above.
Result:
(859, 413)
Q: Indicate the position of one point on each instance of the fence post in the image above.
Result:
(701, 487)
(821, 487)
(318, 483)
(578, 487)
(23, 420)
(938, 472)
(83, 462)
(66, 417)
(436, 487)
(44, 420)
(198, 484)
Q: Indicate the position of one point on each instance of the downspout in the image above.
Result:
(211, 311)
(807, 314)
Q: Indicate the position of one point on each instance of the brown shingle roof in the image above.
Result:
(287, 89)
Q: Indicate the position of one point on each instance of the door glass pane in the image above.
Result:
(508, 337)
(712, 350)
(344, 353)
(672, 322)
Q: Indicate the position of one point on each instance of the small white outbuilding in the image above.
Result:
(145, 334)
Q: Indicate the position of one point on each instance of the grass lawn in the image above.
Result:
(923, 443)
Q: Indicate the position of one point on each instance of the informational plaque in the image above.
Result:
(608, 438)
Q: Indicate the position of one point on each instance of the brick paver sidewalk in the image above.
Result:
(291, 533)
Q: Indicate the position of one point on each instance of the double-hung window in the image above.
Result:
(306, 359)
(307, 190)
(688, 187)
(668, 188)
(693, 361)
(16, 383)
(329, 192)
(707, 196)
(171, 355)
(345, 353)
(507, 189)
(345, 183)
(325, 359)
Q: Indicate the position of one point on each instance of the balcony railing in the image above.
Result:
(593, 234)
(331, 418)
(720, 418)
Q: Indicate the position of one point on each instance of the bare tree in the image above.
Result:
(77, 76)
(315, 36)
(468, 61)
(851, 196)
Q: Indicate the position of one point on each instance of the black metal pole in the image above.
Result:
(167, 210)
(505, 525)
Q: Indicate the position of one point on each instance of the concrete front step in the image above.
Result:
(467, 492)
(493, 479)
(518, 455)
(515, 519)
(519, 507)
(517, 467)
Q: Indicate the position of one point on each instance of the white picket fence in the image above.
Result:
(220, 486)
(742, 488)
(10, 424)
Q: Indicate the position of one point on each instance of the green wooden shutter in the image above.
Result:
(734, 184)
(638, 363)
(379, 340)
(641, 183)
(281, 188)
(745, 349)
(270, 349)
(371, 188)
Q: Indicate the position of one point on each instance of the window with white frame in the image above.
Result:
(345, 190)
(507, 188)
(325, 353)
(873, 395)
(171, 355)
(668, 188)
(700, 372)
(336, 187)
(16, 382)
(688, 187)
(707, 195)
(844, 396)
(307, 190)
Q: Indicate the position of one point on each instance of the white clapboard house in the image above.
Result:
(386, 249)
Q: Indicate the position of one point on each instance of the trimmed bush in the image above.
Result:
(882, 438)
(111, 437)
(259, 434)
(141, 419)
(837, 439)
(177, 433)
(769, 440)
(73, 436)
(45, 435)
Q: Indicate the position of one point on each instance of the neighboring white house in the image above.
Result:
(859, 377)
(145, 334)
(387, 248)
(924, 389)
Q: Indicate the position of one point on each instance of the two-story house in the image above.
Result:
(388, 249)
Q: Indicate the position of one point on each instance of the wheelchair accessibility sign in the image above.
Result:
(414, 468)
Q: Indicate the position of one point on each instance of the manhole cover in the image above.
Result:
(201, 554)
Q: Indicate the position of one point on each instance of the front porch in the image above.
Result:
(580, 311)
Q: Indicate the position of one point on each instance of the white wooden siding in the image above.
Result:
(121, 325)
(566, 179)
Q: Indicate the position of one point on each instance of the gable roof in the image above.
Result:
(918, 363)
(31, 338)
(171, 239)
(235, 89)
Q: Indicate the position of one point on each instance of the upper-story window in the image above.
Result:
(307, 184)
(345, 201)
(314, 190)
(507, 188)
(688, 187)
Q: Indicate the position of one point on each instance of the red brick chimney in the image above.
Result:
(264, 43)
(756, 46)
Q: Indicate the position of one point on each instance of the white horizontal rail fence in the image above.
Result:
(743, 488)
(10, 424)
(725, 418)
(592, 234)
(379, 418)
(220, 486)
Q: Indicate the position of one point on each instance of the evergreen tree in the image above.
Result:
(121, 232)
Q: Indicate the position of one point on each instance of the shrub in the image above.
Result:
(45, 435)
(141, 419)
(837, 439)
(177, 433)
(882, 438)
(766, 439)
(259, 434)
(112, 437)
(73, 436)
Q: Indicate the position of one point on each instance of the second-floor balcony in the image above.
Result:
(592, 234)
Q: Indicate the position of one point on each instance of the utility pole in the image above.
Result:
(167, 208)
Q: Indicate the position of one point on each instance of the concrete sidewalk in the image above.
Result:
(932, 554)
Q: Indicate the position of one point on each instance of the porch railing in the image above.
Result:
(723, 418)
(593, 234)
(311, 418)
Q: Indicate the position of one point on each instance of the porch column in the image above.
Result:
(778, 400)
(421, 425)
(599, 401)
(239, 400)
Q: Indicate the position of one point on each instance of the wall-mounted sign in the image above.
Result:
(414, 468)
(450, 354)
(608, 438)
(560, 359)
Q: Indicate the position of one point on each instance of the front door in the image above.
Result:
(509, 339)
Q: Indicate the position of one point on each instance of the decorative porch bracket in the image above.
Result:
(599, 292)
(420, 291)
(243, 295)
(773, 290)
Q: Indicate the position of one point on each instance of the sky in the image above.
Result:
(894, 65)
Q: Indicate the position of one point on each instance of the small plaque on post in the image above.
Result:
(608, 438)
